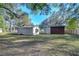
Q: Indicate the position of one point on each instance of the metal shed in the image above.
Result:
(28, 30)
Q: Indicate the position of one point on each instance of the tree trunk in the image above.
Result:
(10, 28)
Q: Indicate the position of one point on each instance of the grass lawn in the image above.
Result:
(41, 45)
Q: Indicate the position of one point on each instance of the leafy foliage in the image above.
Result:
(1, 22)
(36, 6)
(9, 7)
(72, 23)
(43, 8)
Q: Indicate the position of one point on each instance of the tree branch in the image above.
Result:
(1, 6)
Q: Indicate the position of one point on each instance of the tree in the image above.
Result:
(2, 24)
(72, 23)
(42, 8)
(8, 7)
(36, 6)
(23, 20)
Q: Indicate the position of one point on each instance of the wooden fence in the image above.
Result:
(76, 31)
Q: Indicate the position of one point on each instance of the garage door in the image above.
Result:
(57, 30)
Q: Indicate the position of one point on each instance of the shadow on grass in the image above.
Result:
(12, 37)
(23, 44)
(60, 49)
(64, 49)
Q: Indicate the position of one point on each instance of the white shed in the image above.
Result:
(29, 30)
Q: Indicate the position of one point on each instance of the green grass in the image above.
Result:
(52, 45)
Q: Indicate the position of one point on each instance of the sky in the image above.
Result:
(36, 19)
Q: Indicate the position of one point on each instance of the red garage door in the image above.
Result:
(57, 30)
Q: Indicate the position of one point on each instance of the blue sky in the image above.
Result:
(36, 19)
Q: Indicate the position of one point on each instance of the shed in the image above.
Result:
(28, 30)
(57, 30)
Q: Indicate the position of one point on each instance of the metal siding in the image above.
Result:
(26, 31)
